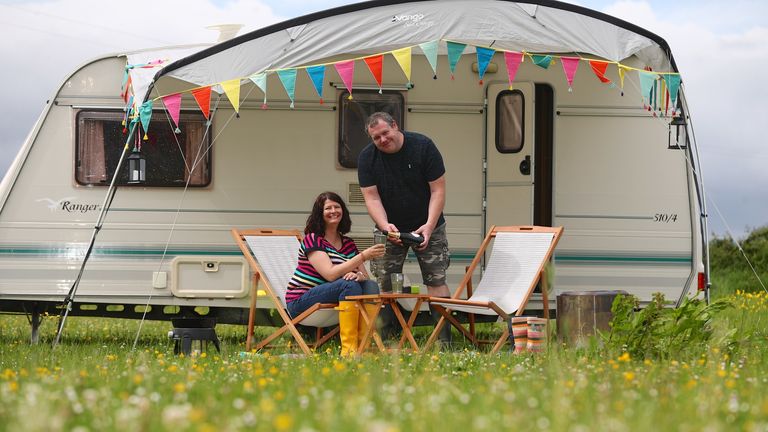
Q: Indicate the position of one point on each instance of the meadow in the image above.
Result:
(95, 380)
(695, 368)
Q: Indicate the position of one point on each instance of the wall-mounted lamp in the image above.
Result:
(678, 142)
(137, 167)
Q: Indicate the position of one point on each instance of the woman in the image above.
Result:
(331, 268)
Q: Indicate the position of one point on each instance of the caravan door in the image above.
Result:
(509, 194)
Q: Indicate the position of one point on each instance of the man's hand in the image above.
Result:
(426, 232)
(392, 228)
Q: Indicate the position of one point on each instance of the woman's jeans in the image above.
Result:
(331, 292)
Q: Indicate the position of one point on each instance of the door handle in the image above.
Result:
(525, 166)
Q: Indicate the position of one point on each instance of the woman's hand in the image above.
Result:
(350, 276)
(375, 251)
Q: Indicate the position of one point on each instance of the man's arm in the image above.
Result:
(436, 205)
(376, 208)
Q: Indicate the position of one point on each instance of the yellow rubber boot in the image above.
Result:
(362, 326)
(349, 316)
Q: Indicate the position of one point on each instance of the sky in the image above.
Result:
(720, 49)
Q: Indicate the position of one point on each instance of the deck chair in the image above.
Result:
(273, 256)
(515, 266)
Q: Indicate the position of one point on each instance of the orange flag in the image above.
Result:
(374, 65)
(599, 68)
(203, 99)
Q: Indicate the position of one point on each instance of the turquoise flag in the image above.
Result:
(484, 56)
(542, 60)
(317, 75)
(673, 84)
(288, 78)
(647, 80)
(430, 52)
(260, 79)
(145, 115)
(454, 54)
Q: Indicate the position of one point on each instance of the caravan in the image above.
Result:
(542, 111)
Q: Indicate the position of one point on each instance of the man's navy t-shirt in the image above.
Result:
(402, 179)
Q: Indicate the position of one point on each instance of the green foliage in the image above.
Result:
(730, 271)
(658, 331)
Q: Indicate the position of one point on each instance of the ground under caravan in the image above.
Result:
(583, 137)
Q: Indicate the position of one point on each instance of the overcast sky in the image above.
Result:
(720, 47)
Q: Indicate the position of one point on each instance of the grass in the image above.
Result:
(94, 380)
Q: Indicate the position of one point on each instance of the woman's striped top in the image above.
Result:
(305, 277)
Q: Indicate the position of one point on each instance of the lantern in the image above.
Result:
(137, 167)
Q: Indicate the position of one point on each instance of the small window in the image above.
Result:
(353, 114)
(169, 156)
(510, 114)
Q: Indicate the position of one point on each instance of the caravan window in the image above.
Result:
(353, 114)
(169, 156)
(510, 113)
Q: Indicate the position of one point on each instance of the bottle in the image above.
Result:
(409, 239)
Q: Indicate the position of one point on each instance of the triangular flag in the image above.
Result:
(288, 78)
(430, 52)
(454, 54)
(374, 65)
(541, 60)
(673, 84)
(484, 56)
(647, 81)
(570, 65)
(203, 98)
(346, 70)
(622, 70)
(232, 90)
(403, 57)
(599, 68)
(513, 60)
(145, 115)
(317, 75)
(260, 79)
(173, 105)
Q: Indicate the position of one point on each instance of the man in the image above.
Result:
(402, 178)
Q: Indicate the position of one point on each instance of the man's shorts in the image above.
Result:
(433, 261)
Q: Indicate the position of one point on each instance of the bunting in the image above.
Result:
(203, 98)
(145, 116)
(173, 105)
(430, 52)
(513, 60)
(317, 76)
(484, 56)
(647, 82)
(346, 70)
(403, 57)
(288, 78)
(659, 90)
(232, 90)
(543, 61)
(570, 65)
(673, 86)
(374, 65)
(599, 68)
(260, 79)
(454, 54)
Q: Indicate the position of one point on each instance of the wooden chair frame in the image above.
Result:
(442, 305)
(259, 277)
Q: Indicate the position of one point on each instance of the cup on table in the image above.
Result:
(397, 283)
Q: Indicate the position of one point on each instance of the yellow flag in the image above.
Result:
(232, 90)
(403, 57)
(621, 75)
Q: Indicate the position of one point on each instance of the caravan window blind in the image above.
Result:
(170, 157)
(510, 113)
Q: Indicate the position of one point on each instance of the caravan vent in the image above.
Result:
(355, 194)
(363, 242)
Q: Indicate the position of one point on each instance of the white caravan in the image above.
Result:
(589, 156)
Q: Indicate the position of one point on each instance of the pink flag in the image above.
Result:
(570, 64)
(513, 60)
(173, 105)
(346, 70)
